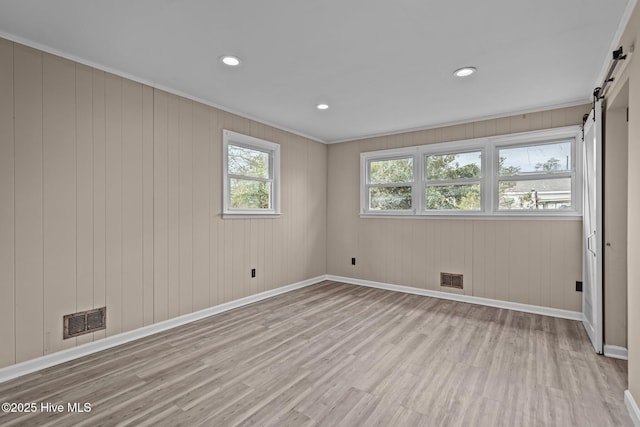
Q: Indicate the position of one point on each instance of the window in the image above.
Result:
(453, 181)
(534, 177)
(533, 173)
(251, 169)
(390, 184)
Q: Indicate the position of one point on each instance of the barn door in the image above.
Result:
(592, 227)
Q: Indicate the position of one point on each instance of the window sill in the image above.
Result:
(250, 216)
(495, 217)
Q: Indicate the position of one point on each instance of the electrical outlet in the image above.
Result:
(353, 261)
(253, 272)
(578, 286)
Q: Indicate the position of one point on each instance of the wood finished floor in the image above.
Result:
(341, 355)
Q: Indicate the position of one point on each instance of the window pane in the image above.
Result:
(453, 197)
(537, 194)
(389, 198)
(390, 171)
(248, 162)
(535, 159)
(453, 166)
(247, 194)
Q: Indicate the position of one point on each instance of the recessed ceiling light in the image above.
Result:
(229, 60)
(464, 71)
(322, 106)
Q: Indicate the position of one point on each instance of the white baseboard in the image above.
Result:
(33, 365)
(616, 352)
(29, 366)
(632, 406)
(527, 308)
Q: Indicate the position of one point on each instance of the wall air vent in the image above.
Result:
(450, 280)
(84, 322)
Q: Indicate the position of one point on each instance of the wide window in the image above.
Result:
(251, 175)
(534, 173)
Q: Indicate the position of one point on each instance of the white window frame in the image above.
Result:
(250, 142)
(457, 147)
(489, 190)
(402, 154)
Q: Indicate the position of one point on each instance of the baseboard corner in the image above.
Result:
(632, 406)
(616, 352)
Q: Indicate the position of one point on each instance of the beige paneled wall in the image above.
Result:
(633, 245)
(615, 223)
(7, 205)
(630, 38)
(111, 195)
(524, 261)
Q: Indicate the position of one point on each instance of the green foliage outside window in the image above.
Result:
(390, 198)
(249, 193)
(452, 167)
(390, 172)
(453, 197)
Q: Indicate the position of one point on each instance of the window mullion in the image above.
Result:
(418, 186)
(537, 176)
(443, 182)
(249, 178)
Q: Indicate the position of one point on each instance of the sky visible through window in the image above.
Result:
(536, 158)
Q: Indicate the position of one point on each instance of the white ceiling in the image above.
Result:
(383, 66)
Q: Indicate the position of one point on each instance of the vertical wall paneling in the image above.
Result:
(160, 207)
(99, 194)
(216, 239)
(518, 266)
(631, 35)
(500, 262)
(7, 224)
(147, 204)
(535, 251)
(29, 299)
(248, 260)
(317, 202)
(469, 274)
(300, 235)
(259, 285)
(290, 174)
(59, 198)
(132, 206)
(113, 219)
(185, 203)
(202, 218)
(84, 192)
(418, 254)
(616, 169)
(173, 199)
(235, 245)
